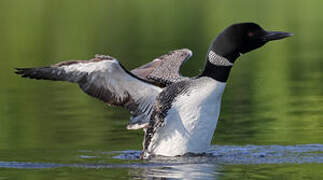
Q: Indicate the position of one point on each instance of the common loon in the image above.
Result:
(178, 114)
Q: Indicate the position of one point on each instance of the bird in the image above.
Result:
(178, 114)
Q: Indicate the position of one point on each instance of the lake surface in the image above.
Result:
(271, 122)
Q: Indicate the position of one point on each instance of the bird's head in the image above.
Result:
(241, 38)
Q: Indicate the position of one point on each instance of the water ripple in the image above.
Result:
(250, 154)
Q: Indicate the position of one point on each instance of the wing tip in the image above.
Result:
(21, 71)
(185, 52)
(32, 73)
(104, 57)
(188, 51)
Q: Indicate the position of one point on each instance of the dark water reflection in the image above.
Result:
(273, 97)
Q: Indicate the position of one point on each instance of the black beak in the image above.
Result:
(275, 35)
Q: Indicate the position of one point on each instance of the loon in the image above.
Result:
(178, 114)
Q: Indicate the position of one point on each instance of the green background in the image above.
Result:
(274, 95)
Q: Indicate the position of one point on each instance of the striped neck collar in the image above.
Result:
(218, 60)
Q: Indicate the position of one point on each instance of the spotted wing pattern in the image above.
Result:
(165, 69)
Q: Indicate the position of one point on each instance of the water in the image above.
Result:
(270, 126)
(210, 166)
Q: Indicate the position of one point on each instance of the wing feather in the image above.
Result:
(165, 69)
(103, 78)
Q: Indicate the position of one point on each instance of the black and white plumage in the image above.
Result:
(165, 69)
(178, 114)
(104, 78)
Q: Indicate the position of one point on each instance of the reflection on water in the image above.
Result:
(274, 95)
(185, 171)
(208, 166)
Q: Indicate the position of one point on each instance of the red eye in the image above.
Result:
(250, 34)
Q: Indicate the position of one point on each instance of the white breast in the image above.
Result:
(191, 121)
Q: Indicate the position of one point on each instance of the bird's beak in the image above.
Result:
(275, 35)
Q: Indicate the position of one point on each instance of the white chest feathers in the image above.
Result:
(191, 121)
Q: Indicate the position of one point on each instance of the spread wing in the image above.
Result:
(165, 69)
(104, 78)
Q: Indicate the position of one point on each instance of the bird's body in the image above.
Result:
(191, 119)
(178, 114)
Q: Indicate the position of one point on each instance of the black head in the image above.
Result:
(243, 37)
